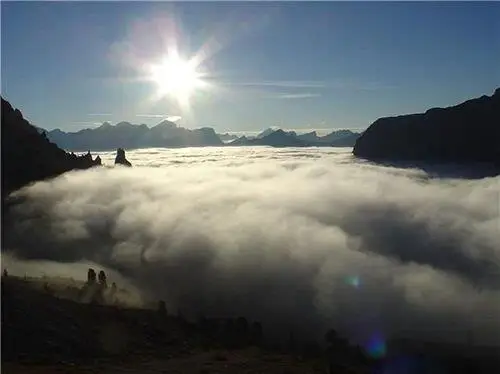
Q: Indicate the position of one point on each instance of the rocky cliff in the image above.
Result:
(467, 132)
(28, 155)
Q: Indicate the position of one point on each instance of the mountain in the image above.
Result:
(28, 155)
(127, 135)
(277, 138)
(281, 138)
(344, 141)
(467, 132)
(267, 132)
(311, 137)
(226, 137)
(340, 134)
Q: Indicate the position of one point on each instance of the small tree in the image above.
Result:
(5, 273)
(242, 327)
(162, 308)
(256, 333)
(102, 279)
(331, 336)
(91, 276)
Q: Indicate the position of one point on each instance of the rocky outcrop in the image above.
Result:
(29, 156)
(120, 158)
(468, 132)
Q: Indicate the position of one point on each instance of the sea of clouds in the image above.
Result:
(299, 239)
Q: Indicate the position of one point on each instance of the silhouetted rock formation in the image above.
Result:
(120, 158)
(28, 156)
(468, 132)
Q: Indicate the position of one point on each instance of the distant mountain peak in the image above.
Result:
(123, 124)
(267, 131)
(166, 123)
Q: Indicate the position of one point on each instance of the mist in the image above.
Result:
(298, 239)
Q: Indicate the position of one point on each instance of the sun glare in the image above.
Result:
(176, 77)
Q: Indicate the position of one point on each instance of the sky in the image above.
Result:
(297, 65)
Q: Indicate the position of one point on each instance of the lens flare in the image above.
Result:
(376, 346)
(353, 280)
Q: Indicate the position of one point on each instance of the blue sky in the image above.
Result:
(297, 65)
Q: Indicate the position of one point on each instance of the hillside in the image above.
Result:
(467, 132)
(28, 156)
(45, 330)
(46, 333)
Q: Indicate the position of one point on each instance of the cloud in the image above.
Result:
(307, 238)
(86, 123)
(283, 84)
(335, 84)
(173, 118)
(152, 115)
(163, 116)
(285, 96)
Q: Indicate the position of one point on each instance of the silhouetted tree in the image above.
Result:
(102, 279)
(256, 333)
(5, 273)
(331, 336)
(242, 326)
(91, 276)
(291, 342)
(47, 288)
(337, 351)
(162, 308)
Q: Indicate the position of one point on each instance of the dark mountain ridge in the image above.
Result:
(465, 133)
(28, 155)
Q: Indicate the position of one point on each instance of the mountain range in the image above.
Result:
(167, 134)
(126, 135)
(281, 138)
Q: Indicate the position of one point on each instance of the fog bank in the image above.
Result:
(309, 238)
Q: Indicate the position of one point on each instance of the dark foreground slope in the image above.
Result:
(42, 333)
(28, 156)
(465, 133)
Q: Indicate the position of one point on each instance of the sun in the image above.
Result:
(176, 77)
